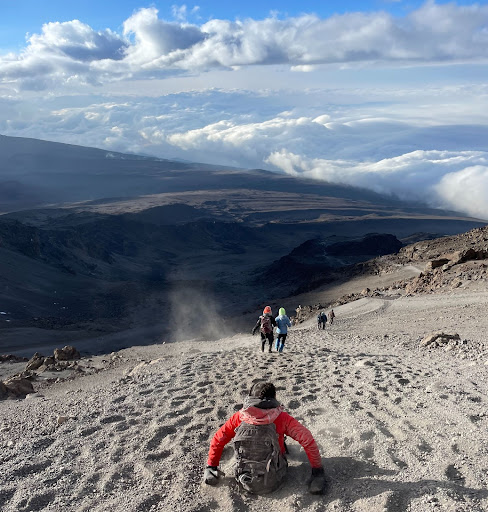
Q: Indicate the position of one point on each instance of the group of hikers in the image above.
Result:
(266, 323)
(259, 429)
(322, 319)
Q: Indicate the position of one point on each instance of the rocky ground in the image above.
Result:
(400, 421)
(425, 267)
(400, 427)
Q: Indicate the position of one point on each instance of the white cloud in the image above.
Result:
(390, 147)
(412, 175)
(155, 40)
(466, 190)
(150, 47)
(303, 68)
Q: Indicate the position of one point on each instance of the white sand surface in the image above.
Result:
(399, 428)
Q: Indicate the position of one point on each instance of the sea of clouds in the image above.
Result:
(419, 142)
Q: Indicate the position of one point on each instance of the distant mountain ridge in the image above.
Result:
(76, 173)
(96, 242)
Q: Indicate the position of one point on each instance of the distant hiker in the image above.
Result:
(265, 324)
(319, 321)
(331, 317)
(323, 318)
(259, 431)
(282, 324)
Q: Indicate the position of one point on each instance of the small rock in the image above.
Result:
(30, 396)
(62, 419)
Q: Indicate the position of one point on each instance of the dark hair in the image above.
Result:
(263, 390)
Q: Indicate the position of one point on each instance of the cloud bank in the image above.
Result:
(378, 147)
(148, 47)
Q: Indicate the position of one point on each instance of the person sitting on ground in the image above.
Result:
(262, 425)
(282, 324)
(265, 324)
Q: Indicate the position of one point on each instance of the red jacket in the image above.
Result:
(286, 425)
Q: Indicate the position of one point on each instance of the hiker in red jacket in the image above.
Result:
(262, 408)
(265, 324)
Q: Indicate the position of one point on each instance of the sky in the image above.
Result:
(390, 95)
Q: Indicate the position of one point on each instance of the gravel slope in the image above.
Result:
(399, 428)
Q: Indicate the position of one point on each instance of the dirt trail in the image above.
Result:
(399, 429)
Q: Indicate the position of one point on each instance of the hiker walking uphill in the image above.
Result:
(282, 324)
(331, 316)
(323, 318)
(259, 431)
(265, 324)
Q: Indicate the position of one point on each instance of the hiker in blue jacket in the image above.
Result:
(323, 319)
(282, 324)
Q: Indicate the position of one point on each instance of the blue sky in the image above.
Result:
(390, 95)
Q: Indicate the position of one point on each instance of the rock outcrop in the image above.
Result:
(34, 362)
(17, 387)
(57, 362)
(439, 338)
(67, 353)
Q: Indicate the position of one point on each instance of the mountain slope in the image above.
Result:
(128, 242)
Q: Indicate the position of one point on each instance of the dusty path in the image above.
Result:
(399, 429)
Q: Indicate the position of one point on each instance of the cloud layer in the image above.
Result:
(73, 52)
(378, 147)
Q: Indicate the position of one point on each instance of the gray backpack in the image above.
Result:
(261, 466)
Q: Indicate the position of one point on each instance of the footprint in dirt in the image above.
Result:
(29, 469)
(293, 404)
(367, 452)
(5, 496)
(158, 437)
(366, 436)
(454, 475)
(424, 447)
(39, 501)
(43, 443)
(158, 456)
(397, 501)
(355, 406)
(120, 478)
(182, 420)
(399, 462)
(150, 503)
(112, 419)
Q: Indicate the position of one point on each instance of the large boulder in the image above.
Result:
(67, 353)
(439, 338)
(431, 265)
(18, 386)
(34, 362)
